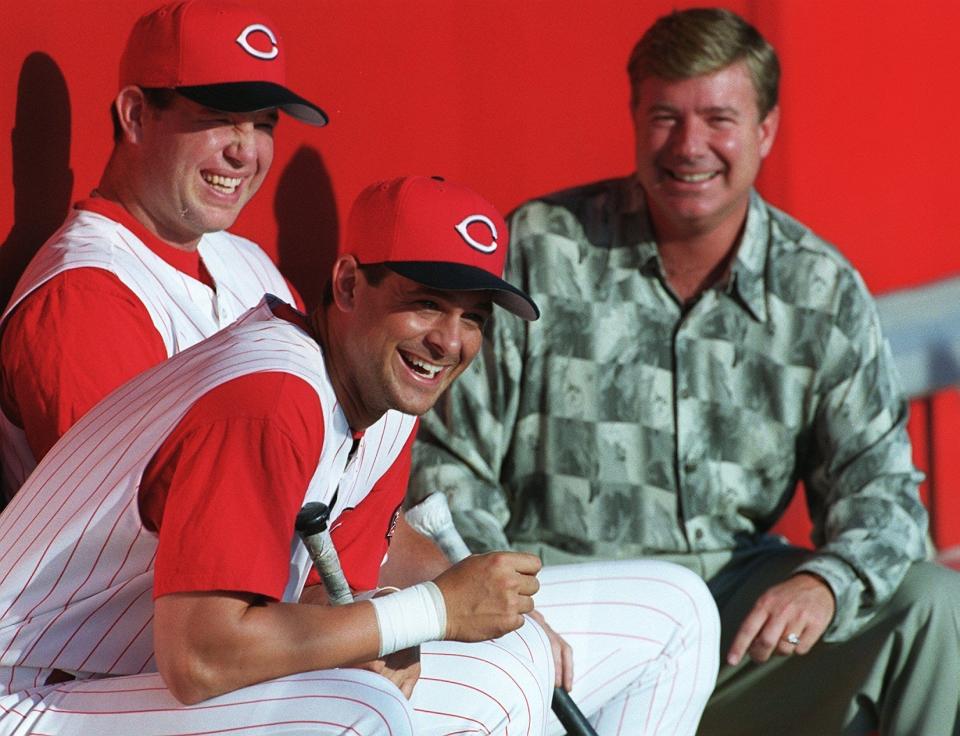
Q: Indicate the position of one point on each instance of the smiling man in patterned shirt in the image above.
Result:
(700, 353)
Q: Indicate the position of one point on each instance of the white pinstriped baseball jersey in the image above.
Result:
(182, 309)
(75, 561)
(76, 580)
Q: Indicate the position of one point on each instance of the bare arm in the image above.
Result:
(209, 643)
(412, 558)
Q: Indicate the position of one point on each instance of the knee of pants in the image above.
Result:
(929, 596)
(678, 601)
(490, 684)
(692, 603)
(701, 626)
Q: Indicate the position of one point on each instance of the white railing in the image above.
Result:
(923, 327)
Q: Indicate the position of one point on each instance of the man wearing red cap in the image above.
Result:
(150, 563)
(144, 267)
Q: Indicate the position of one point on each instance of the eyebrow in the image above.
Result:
(721, 109)
(712, 110)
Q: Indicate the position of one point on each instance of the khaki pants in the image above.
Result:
(900, 675)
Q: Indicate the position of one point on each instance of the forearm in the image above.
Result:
(210, 643)
(412, 558)
(870, 524)
(871, 539)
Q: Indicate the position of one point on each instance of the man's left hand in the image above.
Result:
(803, 605)
(401, 668)
(562, 653)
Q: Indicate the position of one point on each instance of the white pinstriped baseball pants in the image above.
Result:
(497, 687)
(646, 643)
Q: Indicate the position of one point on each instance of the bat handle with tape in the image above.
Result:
(431, 517)
(311, 526)
(397, 627)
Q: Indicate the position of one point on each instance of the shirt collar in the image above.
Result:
(747, 273)
(633, 202)
(187, 262)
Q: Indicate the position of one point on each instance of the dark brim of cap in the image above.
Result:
(253, 96)
(459, 277)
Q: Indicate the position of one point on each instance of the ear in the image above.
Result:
(343, 282)
(130, 106)
(768, 130)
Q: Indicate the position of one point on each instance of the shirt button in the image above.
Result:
(689, 466)
(698, 534)
(684, 393)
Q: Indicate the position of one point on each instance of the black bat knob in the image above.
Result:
(312, 518)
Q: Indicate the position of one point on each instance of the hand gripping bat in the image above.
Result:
(431, 517)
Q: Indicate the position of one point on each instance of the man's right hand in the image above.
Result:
(486, 595)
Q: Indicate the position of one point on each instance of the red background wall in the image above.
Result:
(519, 98)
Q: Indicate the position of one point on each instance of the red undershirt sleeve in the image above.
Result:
(297, 299)
(66, 346)
(362, 534)
(225, 487)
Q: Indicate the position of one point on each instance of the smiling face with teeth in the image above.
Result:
(401, 344)
(196, 168)
(699, 146)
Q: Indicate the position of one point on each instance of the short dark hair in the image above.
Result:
(689, 43)
(373, 272)
(159, 98)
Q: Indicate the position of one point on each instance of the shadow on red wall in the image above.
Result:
(308, 227)
(42, 178)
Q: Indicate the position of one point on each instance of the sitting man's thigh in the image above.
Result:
(483, 687)
(891, 674)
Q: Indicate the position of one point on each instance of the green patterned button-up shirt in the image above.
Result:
(623, 425)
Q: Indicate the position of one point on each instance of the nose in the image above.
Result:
(444, 338)
(688, 139)
(242, 149)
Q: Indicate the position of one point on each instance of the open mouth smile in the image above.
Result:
(697, 178)
(222, 184)
(421, 367)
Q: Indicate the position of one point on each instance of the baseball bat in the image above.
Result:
(311, 526)
(431, 517)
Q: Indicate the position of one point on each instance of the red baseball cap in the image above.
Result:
(437, 233)
(217, 53)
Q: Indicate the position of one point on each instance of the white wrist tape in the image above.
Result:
(410, 617)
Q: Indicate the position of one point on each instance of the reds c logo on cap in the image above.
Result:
(242, 39)
(466, 222)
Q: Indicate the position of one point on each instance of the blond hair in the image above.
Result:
(689, 43)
